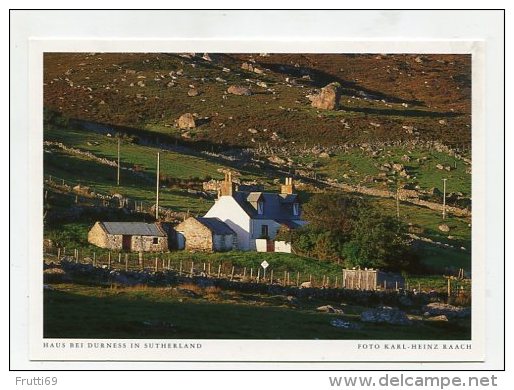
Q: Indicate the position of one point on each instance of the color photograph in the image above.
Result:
(246, 196)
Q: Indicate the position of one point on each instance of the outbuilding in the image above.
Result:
(205, 234)
(129, 236)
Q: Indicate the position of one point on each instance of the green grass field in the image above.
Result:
(76, 311)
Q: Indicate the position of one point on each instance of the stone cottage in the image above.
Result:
(129, 236)
(205, 234)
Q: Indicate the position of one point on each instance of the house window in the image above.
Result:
(260, 207)
(264, 230)
(296, 209)
(155, 241)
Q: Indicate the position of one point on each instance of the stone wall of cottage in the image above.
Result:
(197, 236)
(148, 244)
(97, 236)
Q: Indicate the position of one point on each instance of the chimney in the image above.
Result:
(288, 187)
(227, 188)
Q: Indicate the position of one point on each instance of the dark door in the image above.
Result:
(270, 246)
(126, 243)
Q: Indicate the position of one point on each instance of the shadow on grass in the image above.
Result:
(94, 312)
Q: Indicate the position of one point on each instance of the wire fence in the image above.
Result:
(166, 262)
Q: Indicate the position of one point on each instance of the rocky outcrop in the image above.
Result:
(186, 121)
(328, 98)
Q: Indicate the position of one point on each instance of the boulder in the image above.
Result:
(192, 92)
(329, 309)
(444, 228)
(441, 318)
(450, 311)
(239, 90)
(328, 98)
(306, 285)
(186, 121)
(385, 314)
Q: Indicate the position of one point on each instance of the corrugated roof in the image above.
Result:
(133, 228)
(215, 225)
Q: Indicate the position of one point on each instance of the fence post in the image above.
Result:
(232, 274)
(298, 279)
(335, 284)
(251, 273)
(126, 263)
(109, 261)
(209, 269)
(168, 262)
(219, 270)
(94, 259)
(64, 251)
(192, 267)
(328, 281)
(156, 263)
(449, 288)
(126, 258)
(180, 268)
(244, 273)
(419, 286)
(204, 267)
(119, 258)
(396, 285)
(258, 274)
(58, 254)
(385, 285)
(271, 277)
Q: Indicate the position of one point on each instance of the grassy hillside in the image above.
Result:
(429, 92)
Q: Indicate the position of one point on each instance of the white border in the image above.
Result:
(356, 24)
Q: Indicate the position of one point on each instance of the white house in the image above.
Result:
(256, 215)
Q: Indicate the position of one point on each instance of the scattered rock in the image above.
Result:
(444, 228)
(186, 121)
(450, 311)
(192, 92)
(440, 166)
(306, 285)
(441, 318)
(385, 314)
(329, 309)
(239, 90)
(276, 160)
(342, 324)
(328, 98)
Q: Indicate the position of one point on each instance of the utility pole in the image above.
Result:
(444, 198)
(398, 203)
(118, 173)
(157, 189)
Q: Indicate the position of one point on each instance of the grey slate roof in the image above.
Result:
(133, 228)
(216, 225)
(276, 206)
